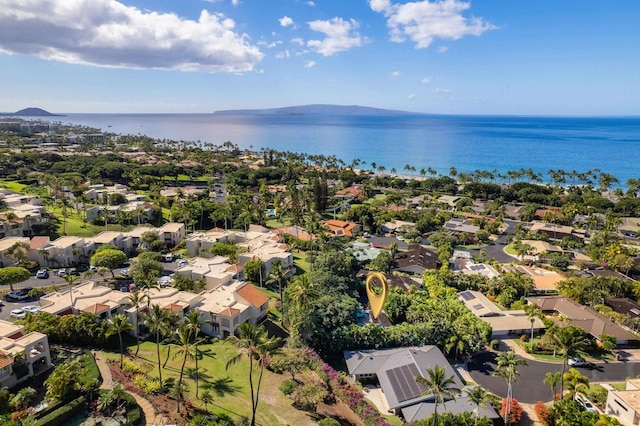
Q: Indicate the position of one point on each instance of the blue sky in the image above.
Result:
(542, 57)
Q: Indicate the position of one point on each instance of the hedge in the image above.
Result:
(62, 414)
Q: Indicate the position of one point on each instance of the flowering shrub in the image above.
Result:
(347, 392)
(515, 413)
(543, 413)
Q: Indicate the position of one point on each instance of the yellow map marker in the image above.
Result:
(376, 301)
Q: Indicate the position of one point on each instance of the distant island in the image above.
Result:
(314, 109)
(33, 112)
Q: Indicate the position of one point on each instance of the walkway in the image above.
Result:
(150, 416)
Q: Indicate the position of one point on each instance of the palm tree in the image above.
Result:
(438, 385)
(552, 378)
(136, 299)
(117, 324)
(206, 398)
(193, 323)
(507, 363)
(71, 280)
(303, 293)
(457, 341)
(278, 275)
(158, 322)
(478, 396)
(573, 380)
(258, 346)
(187, 348)
(569, 342)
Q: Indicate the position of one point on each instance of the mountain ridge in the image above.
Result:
(315, 109)
(34, 112)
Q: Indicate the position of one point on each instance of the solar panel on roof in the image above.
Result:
(478, 306)
(467, 296)
(403, 382)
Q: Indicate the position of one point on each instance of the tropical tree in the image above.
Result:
(118, 324)
(438, 385)
(158, 320)
(569, 342)
(254, 341)
(507, 368)
(552, 378)
(573, 381)
(11, 275)
(302, 293)
(277, 274)
(136, 299)
(206, 398)
(109, 258)
(187, 345)
(193, 323)
(478, 396)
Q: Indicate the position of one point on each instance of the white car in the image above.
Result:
(182, 262)
(62, 272)
(18, 313)
(31, 308)
(585, 403)
(577, 361)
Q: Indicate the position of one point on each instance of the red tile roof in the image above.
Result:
(252, 295)
(96, 309)
(37, 243)
(5, 360)
(228, 312)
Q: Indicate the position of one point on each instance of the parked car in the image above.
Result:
(18, 313)
(577, 361)
(42, 274)
(31, 308)
(62, 272)
(182, 262)
(17, 295)
(585, 403)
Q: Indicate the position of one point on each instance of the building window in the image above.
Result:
(224, 322)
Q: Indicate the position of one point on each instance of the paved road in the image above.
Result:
(496, 248)
(529, 386)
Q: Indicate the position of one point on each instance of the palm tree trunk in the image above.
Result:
(121, 350)
(255, 408)
(168, 354)
(179, 395)
(197, 378)
(158, 351)
(253, 411)
(137, 333)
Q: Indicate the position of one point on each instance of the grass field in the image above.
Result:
(12, 185)
(230, 387)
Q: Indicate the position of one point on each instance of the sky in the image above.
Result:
(536, 57)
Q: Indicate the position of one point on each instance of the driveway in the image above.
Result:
(529, 387)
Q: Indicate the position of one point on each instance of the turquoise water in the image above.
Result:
(467, 143)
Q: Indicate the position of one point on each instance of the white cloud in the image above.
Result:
(282, 55)
(235, 2)
(425, 21)
(442, 49)
(285, 21)
(311, 4)
(340, 35)
(107, 33)
(439, 91)
(298, 41)
(426, 80)
(309, 64)
(394, 74)
(412, 96)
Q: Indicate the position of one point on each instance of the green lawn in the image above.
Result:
(300, 262)
(12, 185)
(509, 250)
(230, 387)
(75, 224)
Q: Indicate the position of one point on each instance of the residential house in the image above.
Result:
(22, 355)
(120, 240)
(586, 318)
(449, 200)
(624, 405)
(462, 262)
(397, 226)
(349, 193)
(417, 260)
(215, 271)
(543, 279)
(503, 323)
(6, 244)
(99, 300)
(629, 226)
(172, 233)
(395, 370)
(341, 228)
(364, 252)
(557, 232)
(460, 226)
(224, 308)
(68, 251)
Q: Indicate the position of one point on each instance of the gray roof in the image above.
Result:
(425, 409)
(396, 370)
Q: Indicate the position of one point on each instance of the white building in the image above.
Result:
(21, 355)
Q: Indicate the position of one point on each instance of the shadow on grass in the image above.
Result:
(222, 386)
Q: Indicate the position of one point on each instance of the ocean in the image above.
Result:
(467, 143)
